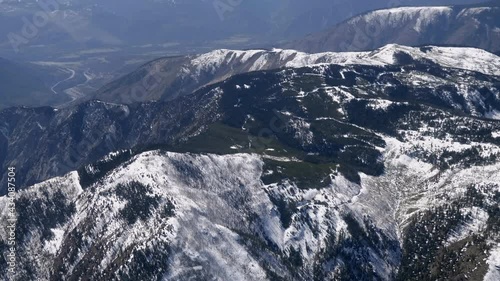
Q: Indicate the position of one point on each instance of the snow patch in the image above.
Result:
(260, 63)
(423, 16)
(380, 104)
(493, 261)
(310, 194)
(476, 223)
(473, 11)
(53, 245)
(494, 114)
(302, 130)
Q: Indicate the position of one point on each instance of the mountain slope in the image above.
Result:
(474, 26)
(168, 78)
(328, 172)
(69, 138)
(186, 216)
(65, 142)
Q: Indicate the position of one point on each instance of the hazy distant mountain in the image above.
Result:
(475, 26)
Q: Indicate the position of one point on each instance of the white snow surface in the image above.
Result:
(393, 17)
(53, 245)
(409, 186)
(493, 262)
(476, 224)
(494, 114)
(205, 189)
(456, 57)
(475, 11)
(420, 17)
(202, 188)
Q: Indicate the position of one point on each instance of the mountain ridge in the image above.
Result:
(158, 122)
(413, 26)
(262, 164)
(172, 190)
(168, 78)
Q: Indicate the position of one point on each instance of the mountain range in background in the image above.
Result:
(472, 25)
(185, 24)
(93, 71)
(380, 163)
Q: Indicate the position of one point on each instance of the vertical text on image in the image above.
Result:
(11, 221)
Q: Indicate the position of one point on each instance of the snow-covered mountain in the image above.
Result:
(168, 216)
(327, 172)
(65, 145)
(167, 78)
(260, 164)
(474, 26)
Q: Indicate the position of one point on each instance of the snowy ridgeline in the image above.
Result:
(455, 57)
(180, 76)
(422, 17)
(205, 207)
